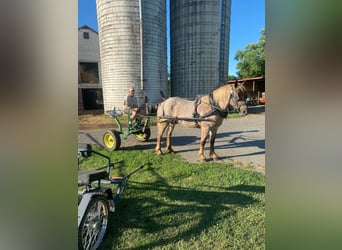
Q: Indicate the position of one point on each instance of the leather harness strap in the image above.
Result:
(215, 109)
(196, 114)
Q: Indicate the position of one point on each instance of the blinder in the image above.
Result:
(235, 98)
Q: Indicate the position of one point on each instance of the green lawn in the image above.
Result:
(172, 204)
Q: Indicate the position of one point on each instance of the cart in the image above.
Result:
(141, 130)
(96, 200)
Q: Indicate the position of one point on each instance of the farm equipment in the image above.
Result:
(141, 130)
(96, 198)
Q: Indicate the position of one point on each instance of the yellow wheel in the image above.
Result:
(112, 140)
(143, 136)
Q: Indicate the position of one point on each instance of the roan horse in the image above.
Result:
(206, 112)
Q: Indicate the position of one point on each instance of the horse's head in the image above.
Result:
(237, 98)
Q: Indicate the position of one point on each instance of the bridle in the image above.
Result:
(215, 108)
(235, 97)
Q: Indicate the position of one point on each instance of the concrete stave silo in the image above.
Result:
(120, 23)
(199, 46)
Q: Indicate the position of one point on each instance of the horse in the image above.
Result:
(206, 112)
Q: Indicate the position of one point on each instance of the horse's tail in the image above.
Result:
(160, 109)
(163, 96)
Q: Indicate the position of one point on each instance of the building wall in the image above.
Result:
(199, 46)
(120, 49)
(88, 53)
(88, 49)
(155, 50)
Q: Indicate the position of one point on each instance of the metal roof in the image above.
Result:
(248, 79)
(87, 28)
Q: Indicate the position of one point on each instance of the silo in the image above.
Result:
(199, 35)
(127, 30)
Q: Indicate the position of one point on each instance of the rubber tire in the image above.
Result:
(111, 140)
(143, 136)
(94, 224)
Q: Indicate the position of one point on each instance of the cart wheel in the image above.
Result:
(143, 136)
(112, 140)
(94, 224)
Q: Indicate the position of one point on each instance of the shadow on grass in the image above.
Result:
(162, 209)
(241, 188)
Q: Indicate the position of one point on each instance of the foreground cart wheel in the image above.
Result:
(112, 140)
(143, 136)
(94, 224)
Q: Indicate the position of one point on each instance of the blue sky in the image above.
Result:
(247, 19)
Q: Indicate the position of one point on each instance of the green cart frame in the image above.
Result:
(141, 130)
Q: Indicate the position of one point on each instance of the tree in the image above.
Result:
(251, 60)
(231, 77)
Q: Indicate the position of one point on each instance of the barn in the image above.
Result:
(89, 79)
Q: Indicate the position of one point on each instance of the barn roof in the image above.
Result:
(87, 27)
(248, 79)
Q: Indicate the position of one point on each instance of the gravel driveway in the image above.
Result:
(239, 140)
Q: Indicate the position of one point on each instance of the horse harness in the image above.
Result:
(215, 109)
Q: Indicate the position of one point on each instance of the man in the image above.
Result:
(131, 104)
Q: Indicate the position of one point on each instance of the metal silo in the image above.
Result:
(127, 30)
(199, 46)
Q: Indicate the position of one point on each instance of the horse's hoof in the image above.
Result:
(215, 158)
(171, 151)
(202, 160)
(159, 152)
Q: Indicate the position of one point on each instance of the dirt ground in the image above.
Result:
(88, 120)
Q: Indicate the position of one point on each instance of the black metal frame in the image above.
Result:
(87, 178)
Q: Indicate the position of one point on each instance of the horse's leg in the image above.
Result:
(168, 137)
(161, 128)
(212, 153)
(204, 135)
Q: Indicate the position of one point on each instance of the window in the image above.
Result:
(92, 99)
(88, 73)
(86, 35)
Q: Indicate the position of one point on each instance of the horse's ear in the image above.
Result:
(242, 84)
(236, 84)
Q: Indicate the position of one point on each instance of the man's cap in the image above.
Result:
(131, 88)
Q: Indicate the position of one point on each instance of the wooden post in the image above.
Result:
(253, 90)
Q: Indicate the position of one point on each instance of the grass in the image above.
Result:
(172, 204)
(233, 115)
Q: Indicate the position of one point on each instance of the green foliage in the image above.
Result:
(230, 77)
(233, 115)
(251, 60)
(173, 204)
